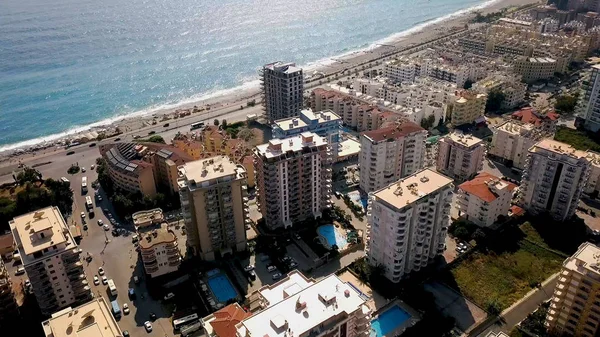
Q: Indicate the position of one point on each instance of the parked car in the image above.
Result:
(252, 274)
(100, 223)
(83, 215)
(104, 280)
(106, 227)
(70, 153)
(125, 333)
(83, 169)
(152, 316)
(166, 125)
(169, 296)
(151, 132)
(27, 284)
(20, 271)
(148, 326)
(271, 268)
(125, 309)
(100, 271)
(136, 280)
(249, 268)
(96, 280)
(276, 276)
(297, 236)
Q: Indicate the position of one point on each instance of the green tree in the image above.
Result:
(61, 194)
(427, 123)
(28, 175)
(566, 103)
(461, 233)
(493, 308)
(156, 139)
(468, 84)
(479, 236)
(216, 122)
(246, 134)
(494, 101)
(73, 169)
(224, 123)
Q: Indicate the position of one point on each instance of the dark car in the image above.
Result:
(92, 145)
(166, 125)
(125, 333)
(151, 132)
(131, 294)
(152, 316)
(117, 139)
(70, 153)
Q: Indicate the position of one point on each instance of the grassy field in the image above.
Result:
(504, 277)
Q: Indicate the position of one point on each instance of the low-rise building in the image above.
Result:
(512, 140)
(90, 319)
(323, 123)
(467, 107)
(574, 309)
(8, 303)
(51, 259)
(543, 121)
(7, 245)
(214, 203)
(483, 199)
(222, 323)
(555, 175)
(390, 153)
(293, 179)
(327, 307)
(460, 156)
(408, 222)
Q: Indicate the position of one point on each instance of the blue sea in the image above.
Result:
(65, 64)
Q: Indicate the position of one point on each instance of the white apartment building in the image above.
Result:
(93, 318)
(389, 154)
(159, 250)
(293, 178)
(51, 259)
(467, 107)
(298, 306)
(555, 175)
(592, 187)
(483, 199)
(512, 140)
(282, 87)
(460, 156)
(588, 106)
(510, 85)
(408, 222)
(402, 70)
(214, 202)
(535, 68)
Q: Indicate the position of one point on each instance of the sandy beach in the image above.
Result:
(330, 70)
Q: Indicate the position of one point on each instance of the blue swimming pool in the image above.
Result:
(388, 321)
(332, 236)
(222, 288)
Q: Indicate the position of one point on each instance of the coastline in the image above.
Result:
(248, 91)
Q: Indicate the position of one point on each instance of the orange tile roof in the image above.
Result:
(478, 187)
(528, 115)
(396, 132)
(227, 318)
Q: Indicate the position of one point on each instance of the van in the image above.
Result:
(20, 271)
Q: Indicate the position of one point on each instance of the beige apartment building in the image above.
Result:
(592, 187)
(92, 319)
(159, 250)
(51, 259)
(536, 68)
(574, 308)
(293, 178)
(214, 202)
(467, 107)
(8, 303)
(512, 140)
(555, 175)
(389, 154)
(460, 156)
(483, 199)
(509, 84)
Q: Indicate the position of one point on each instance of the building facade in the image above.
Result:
(214, 202)
(282, 87)
(536, 68)
(323, 123)
(588, 105)
(460, 156)
(90, 319)
(509, 84)
(512, 140)
(555, 175)
(293, 179)
(574, 309)
(159, 250)
(483, 199)
(389, 154)
(8, 303)
(467, 107)
(408, 222)
(51, 259)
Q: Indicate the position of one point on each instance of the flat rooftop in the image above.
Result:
(293, 283)
(155, 235)
(304, 310)
(202, 170)
(412, 188)
(463, 139)
(277, 147)
(349, 147)
(92, 319)
(515, 128)
(558, 148)
(149, 216)
(319, 117)
(39, 230)
(587, 258)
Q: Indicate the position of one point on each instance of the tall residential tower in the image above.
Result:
(282, 86)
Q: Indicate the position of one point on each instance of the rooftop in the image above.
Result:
(528, 115)
(587, 258)
(92, 319)
(142, 218)
(204, 170)
(485, 186)
(223, 322)
(277, 147)
(558, 148)
(293, 283)
(286, 68)
(463, 139)
(307, 115)
(515, 128)
(305, 310)
(40, 230)
(156, 236)
(393, 132)
(412, 188)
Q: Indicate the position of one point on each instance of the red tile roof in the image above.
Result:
(395, 132)
(478, 187)
(516, 210)
(528, 115)
(227, 318)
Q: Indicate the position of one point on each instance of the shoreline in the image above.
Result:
(240, 95)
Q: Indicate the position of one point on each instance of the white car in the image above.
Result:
(83, 215)
(27, 284)
(100, 271)
(106, 227)
(249, 268)
(104, 280)
(96, 280)
(169, 296)
(148, 326)
(125, 309)
(83, 169)
(100, 222)
(92, 167)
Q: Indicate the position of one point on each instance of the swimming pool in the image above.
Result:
(388, 321)
(221, 287)
(331, 236)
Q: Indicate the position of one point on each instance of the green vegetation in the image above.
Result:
(232, 129)
(534, 323)
(33, 193)
(579, 139)
(428, 123)
(566, 103)
(356, 209)
(251, 103)
(488, 17)
(494, 101)
(74, 169)
(155, 139)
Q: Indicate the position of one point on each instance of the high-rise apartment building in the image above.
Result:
(293, 176)
(282, 85)
(460, 156)
(588, 106)
(512, 140)
(299, 306)
(408, 222)
(8, 303)
(467, 107)
(51, 259)
(574, 308)
(555, 175)
(389, 154)
(214, 201)
(91, 319)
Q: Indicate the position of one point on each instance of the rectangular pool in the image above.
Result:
(388, 321)
(221, 287)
